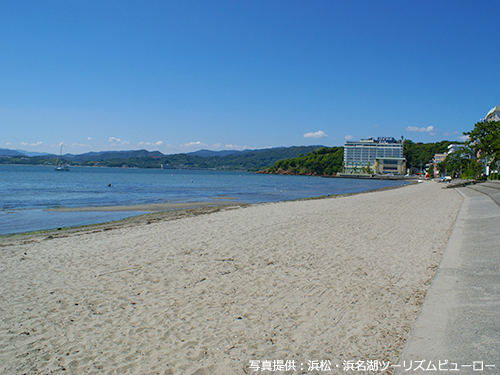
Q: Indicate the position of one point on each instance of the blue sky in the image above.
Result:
(178, 76)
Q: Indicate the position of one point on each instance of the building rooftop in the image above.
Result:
(493, 110)
(378, 140)
(493, 114)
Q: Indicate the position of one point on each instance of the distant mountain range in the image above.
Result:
(109, 155)
(8, 152)
(103, 155)
(32, 153)
(207, 153)
(202, 159)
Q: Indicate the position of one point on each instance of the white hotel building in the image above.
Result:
(383, 155)
(493, 114)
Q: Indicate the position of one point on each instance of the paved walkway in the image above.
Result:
(458, 330)
(491, 188)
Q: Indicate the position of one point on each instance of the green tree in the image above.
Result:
(485, 138)
(474, 170)
(368, 169)
(456, 162)
(323, 161)
(419, 154)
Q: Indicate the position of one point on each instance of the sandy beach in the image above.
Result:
(338, 279)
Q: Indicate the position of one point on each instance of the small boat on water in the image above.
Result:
(63, 167)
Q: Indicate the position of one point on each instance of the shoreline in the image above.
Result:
(152, 207)
(163, 212)
(129, 222)
(45, 211)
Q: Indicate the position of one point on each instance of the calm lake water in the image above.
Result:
(27, 191)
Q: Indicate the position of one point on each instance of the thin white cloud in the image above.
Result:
(318, 134)
(348, 137)
(80, 145)
(159, 143)
(450, 133)
(429, 129)
(118, 140)
(463, 138)
(89, 139)
(191, 144)
(216, 146)
(31, 144)
(235, 147)
(220, 146)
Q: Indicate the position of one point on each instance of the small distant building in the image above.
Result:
(381, 155)
(438, 158)
(454, 147)
(457, 147)
(493, 114)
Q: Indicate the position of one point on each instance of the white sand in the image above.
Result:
(332, 279)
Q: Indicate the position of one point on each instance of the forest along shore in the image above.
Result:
(327, 279)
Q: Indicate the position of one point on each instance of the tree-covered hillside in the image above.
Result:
(321, 162)
(418, 154)
(247, 160)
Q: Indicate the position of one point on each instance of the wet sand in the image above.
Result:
(146, 207)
